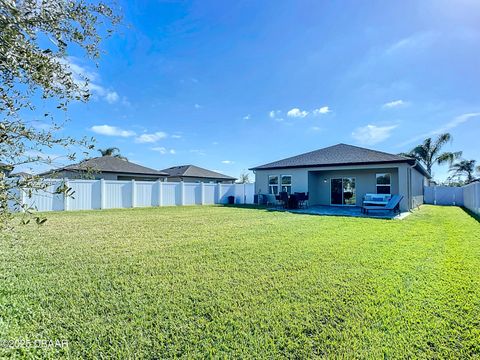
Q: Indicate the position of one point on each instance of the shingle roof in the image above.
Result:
(195, 171)
(111, 164)
(340, 154)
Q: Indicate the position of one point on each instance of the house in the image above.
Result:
(108, 168)
(342, 174)
(192, 173)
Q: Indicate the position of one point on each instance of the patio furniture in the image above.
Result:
(392, 205)
(302, 199)
(292, 202)
(376, 199)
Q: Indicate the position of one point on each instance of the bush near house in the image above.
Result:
(231, 282)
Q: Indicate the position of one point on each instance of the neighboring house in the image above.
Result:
(192, 173)
(108, 168)
(21, 174)
(342, 174)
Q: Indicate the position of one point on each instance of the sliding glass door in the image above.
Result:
(342, 191)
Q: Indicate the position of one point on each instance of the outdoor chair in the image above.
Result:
(302, 199)
(283, 197)
(393, 205)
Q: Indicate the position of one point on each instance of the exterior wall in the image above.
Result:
(198, 180)
(405, 181)
(365, 182)
(418, 183)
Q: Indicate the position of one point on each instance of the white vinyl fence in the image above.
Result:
(467, 196)
(112, 194)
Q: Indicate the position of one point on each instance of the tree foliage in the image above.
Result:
(112, 151)
(430, 152)
(464, 168)
(36, 38)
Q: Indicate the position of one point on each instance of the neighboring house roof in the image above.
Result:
(340, 155)
(20, 174)
(195, 171)
(109, 164)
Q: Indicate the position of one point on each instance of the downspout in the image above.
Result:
(412, 205)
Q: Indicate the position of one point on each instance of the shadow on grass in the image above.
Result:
(306, 211)
(472, 214)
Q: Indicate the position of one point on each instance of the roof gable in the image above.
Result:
(195, 171)
(113, 165)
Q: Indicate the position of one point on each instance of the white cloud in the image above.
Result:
(108, 130)
(150, 138)
(247, 117)
(228, 162)
(415, 41)
(372, 134)
(444, 128)
(315, 128)
(198, 152)
(89, 80)
(275, 115)
(112, 97)
(176, 136)
(321, 111)
(197, 106)
(162, 150)
(394, 104)
(297, 113)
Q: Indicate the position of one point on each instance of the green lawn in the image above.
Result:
(232, 282)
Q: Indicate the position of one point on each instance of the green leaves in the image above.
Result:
(31, 67)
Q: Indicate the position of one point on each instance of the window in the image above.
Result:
(287, 183)
(383, 184)
(273, 184)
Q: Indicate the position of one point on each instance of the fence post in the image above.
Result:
(134, 193)
(182, 193)
(160, 193)
(23, 200)
(66, 202)
(244, 194)
(102, 193)
(202, 193)
(434, 195)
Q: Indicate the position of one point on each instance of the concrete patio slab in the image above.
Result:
(353, 211)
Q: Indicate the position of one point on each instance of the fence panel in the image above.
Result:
(146, 193)
(86, 195)
(443, 195)
(118, 194)
(46, 200)
(209, 193)
(111, 194)
(192, 194)
(171, 194)
(471, 197)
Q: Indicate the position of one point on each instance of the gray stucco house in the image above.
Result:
(107, 168)
(192, 173)
(342, 174)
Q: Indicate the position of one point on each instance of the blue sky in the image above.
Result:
(228, 85)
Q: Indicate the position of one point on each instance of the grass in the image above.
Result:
(202, 282)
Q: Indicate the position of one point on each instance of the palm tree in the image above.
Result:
(464, 167)
(429, 152)
(244, 178)
(112, 151)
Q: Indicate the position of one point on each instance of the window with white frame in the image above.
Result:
(287, 183)
(384, 185)
(273, 184)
